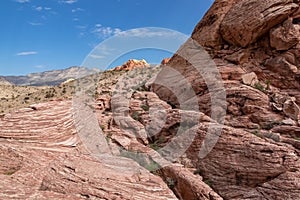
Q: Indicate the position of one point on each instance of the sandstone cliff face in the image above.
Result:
(255, 47)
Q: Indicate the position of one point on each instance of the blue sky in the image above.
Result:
(40, 35)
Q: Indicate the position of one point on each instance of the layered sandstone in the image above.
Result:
(254, 46)
(197, 143)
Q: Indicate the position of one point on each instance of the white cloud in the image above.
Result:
(39, 8)
(146, 32)
(27, 53)
(96, 56)
(68, 1)
(35, 24)
(22, 1)
(77, 10)
(75, 19)
(104, 32)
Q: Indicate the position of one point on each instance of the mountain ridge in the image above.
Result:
(51, 77)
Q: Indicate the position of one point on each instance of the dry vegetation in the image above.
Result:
(14, 97)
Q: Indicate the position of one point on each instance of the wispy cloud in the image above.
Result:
(35, 23)
(27, 53)
(96, 56)
(104, 32)
(68, 1)
(77, 10)
(41, 8)
(22, 1)
(146, 32)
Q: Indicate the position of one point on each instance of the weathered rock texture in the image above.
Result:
(255, 47)
(42, 158)
(148, 127)
(247, 20)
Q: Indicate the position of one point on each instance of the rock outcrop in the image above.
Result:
(173, 135)
(248, 20)
(255, 46)
(42, 157)
(165, 61)
(132, 64)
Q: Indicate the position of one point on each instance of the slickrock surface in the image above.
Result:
(42, 158)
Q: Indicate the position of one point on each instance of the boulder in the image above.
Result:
(248, 20)
(285, 36)
(250, 79)
(207, 32)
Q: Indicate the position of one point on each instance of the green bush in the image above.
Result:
(145, 107)
(260, 87)
(136, 116)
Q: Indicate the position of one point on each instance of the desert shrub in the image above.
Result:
(145, 107)
(136, 116)
(259, 87)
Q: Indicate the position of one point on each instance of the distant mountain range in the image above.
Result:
(49, 78)
(3, 81)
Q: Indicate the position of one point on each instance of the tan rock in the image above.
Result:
(289, 122)
(250, 79)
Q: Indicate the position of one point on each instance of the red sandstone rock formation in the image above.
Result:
(132, 64)
(42, 157)
(165, 61)
(255, 48)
